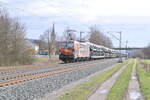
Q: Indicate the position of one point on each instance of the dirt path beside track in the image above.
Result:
(133, 92)
(102, 92)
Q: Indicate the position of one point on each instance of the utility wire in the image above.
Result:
(113, 36)
(110, 33)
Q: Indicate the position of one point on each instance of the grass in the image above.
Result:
(81, 91)
(119, 88)
(53, 60)
(144, 79)
(41, 58)
(147, 60)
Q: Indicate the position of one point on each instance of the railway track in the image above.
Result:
(34, 73)
(19, 69)
(18, 78)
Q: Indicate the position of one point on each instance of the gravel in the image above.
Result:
(38, 87)
(55, 67)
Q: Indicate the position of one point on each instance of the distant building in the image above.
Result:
(40, 47)
(33, 44)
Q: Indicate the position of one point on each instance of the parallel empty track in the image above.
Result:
(8, 70)
(18, 78)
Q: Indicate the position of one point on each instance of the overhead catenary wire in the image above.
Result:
(123, 43)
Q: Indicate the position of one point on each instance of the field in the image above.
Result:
(147, 60)
(53, 59)
(144, 79)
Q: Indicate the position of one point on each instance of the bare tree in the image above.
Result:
(97, 37)
(46, 38)
(13, 49)
(42, 44)
(139, 54)
(146, 52)
(49, 38)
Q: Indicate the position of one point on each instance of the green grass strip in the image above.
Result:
(81, 91)
(41, 59)
(147, 60)
(144, 79)
(119, 88)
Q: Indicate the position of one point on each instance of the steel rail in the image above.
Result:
(40, 75)
(15, 69)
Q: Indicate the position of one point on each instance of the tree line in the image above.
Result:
(15, 50)
(144, 53)
(98, 37)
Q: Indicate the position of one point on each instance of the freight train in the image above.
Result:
(72, 51)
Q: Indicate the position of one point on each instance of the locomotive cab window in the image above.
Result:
(66, 45)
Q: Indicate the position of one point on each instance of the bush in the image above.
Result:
(13, 45)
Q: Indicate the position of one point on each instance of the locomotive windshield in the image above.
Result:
(66, 45)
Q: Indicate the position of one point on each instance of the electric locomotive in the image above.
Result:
(71, 51)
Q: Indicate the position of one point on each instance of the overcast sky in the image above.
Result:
(132, 17)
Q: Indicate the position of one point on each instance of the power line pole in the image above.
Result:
(49, 48)
(81, 35)
(126, 49)
(120, 55)
(120, 42)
